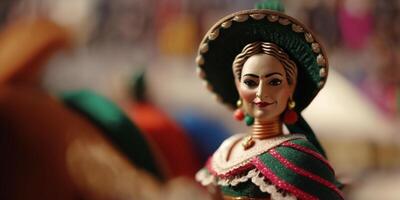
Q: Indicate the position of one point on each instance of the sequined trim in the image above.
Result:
(233, 181)
(303, 172)
(281, 183)
(308, 151)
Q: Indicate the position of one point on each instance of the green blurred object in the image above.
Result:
(137, 86)
(116, 126)
(271, 5)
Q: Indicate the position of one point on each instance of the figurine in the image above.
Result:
(269, 67)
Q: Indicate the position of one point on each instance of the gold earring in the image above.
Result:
(239, 103)
(291, 104)
(239, 114)
(290, 115)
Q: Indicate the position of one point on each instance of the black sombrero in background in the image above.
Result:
(227, 38)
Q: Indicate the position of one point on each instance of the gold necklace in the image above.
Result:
(262, 130)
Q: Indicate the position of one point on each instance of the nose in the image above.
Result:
(261, 91)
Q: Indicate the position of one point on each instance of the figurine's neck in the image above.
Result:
(266, 129)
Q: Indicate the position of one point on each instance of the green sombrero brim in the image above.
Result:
(227, 38)
(116, 125)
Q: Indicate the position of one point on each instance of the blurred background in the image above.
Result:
(356, 116)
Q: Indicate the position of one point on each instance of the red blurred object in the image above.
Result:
(356, 26)
(169, 139)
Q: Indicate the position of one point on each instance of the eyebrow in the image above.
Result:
(266, 76)
(252, 75)
(273, 73)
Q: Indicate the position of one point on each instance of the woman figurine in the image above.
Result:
(269, 67)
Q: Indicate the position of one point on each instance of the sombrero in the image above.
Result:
(266, 23)
(25, 44)
(227, 38)
(116, 125)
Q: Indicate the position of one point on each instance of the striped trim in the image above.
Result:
(280, 182)
(303, 172)
(308, 151)
(234, 172)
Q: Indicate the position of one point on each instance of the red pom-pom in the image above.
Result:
(290, 117)
(238, 114)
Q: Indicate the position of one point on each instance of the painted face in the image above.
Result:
(263, 87)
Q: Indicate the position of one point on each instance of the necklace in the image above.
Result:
(262, 130)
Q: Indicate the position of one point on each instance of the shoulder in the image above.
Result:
(300, 154)
(207, 175)
(298, 167)
(231, 159)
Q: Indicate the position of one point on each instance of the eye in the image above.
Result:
(275, 82)
(250, 83)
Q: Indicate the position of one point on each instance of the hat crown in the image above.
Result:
(275, 5)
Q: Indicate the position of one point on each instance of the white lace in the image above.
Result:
(205, 178)
(270, 188)
(256, 177)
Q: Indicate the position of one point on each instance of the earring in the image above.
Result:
(249, 120)
(291, 104)
(290, 115)
(239, 114)
(239, 103)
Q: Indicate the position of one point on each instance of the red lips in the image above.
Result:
(262, 104)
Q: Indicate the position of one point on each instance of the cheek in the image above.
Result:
(283, 96)
(246, 94)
